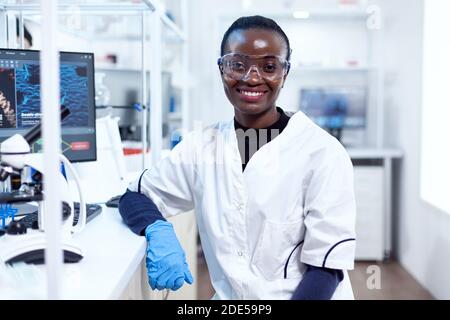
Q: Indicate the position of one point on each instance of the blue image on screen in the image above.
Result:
(335, 108)
(74, 94)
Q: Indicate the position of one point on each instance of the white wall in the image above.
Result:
(422, 232)
(435, 173)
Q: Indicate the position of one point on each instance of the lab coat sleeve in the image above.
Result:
(330, 214)
(169, 183)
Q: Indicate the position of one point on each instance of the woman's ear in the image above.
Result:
(284, 78)
(219, 64)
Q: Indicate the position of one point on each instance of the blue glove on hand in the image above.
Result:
(166, 261)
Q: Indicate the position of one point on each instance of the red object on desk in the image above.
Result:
(131, 151)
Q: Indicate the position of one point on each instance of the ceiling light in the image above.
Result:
(301, 14)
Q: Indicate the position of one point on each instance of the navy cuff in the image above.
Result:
(318, 284)
(138, 211)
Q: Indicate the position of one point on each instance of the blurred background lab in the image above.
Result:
(373, 73)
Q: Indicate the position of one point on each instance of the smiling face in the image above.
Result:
(254, 95)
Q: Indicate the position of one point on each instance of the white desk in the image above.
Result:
(112, 256)
(112, 267)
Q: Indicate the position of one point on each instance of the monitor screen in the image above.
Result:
(20, 105)
(335, 107)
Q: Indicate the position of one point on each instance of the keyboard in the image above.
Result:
(113, 202)
(92, 210)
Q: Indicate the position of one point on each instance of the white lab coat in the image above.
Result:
(293, 205)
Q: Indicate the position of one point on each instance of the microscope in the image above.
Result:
(20, 243)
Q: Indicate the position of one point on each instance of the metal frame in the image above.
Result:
(11, 31)
(156, 89)
(185, 63)
(51, 132)
(175, 29)
(3, 26)
(145, 104)
(100, 8)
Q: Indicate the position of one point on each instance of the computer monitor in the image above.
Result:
(20, 102)
(335, 107)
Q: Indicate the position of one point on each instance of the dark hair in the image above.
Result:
(254, 22)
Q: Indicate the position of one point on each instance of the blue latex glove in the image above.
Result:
(166, 261)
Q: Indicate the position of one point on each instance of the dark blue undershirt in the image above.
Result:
(138, 211)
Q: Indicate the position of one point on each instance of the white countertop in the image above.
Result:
(112, 254)
(374, 153)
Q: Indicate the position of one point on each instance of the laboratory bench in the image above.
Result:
(113, 264)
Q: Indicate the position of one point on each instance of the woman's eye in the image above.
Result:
(270, 67)
(237, 66)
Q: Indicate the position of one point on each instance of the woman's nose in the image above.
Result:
(252, 75)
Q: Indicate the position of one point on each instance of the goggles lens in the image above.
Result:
(237, 66)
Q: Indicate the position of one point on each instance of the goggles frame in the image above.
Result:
(286, 66)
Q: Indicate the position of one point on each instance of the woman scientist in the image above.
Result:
(272, 192)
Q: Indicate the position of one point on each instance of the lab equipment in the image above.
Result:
(237, 66)
(166, 261)
(20, 105)
(31, 220)
(125, 102)
(6, 211)
(19, 243)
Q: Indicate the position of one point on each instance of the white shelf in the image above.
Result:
(101, 68)
(175, 116)
(374, 153)
(331, 69)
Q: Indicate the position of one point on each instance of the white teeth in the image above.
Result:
(252, 94)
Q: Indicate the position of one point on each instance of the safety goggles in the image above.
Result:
(238, 66)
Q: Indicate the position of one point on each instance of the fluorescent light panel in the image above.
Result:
(301, 14)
